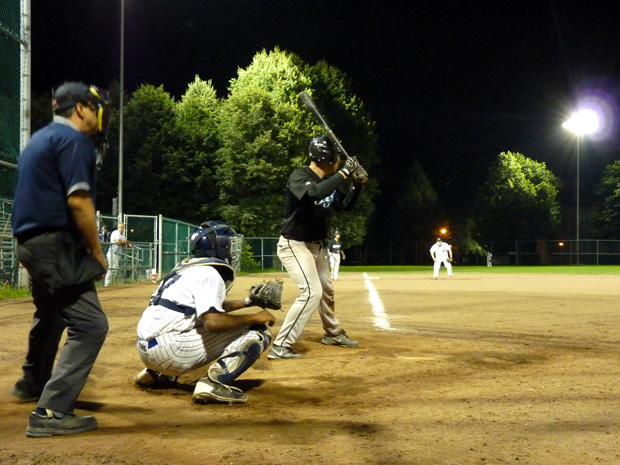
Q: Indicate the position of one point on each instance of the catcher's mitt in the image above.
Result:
(267, 294)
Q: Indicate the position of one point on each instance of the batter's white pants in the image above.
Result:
(437, 265)
(306, 265)
(334, 263)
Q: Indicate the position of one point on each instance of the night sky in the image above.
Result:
(450, 83)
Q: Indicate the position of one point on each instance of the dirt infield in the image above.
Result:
(478, 369)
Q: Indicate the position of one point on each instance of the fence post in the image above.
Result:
(160, 246)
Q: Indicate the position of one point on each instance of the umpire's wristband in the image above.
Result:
(247, 302)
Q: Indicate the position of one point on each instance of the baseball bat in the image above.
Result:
(304, 97)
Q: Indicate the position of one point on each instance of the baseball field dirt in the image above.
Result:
(483, 368)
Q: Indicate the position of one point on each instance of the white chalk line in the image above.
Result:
(380, 316)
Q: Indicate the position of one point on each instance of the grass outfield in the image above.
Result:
(576, 269)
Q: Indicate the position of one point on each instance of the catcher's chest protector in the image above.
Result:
(224, 269)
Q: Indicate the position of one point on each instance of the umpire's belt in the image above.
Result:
(172, 306)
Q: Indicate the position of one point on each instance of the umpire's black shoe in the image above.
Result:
(58, 424)
(25, 391)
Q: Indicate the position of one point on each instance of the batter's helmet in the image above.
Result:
(322, 150)
(70, 94)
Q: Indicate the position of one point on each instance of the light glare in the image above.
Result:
(585, 121)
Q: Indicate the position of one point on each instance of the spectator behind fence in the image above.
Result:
(118, 242)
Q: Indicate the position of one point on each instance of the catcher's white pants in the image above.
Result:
(175, 353)
(437, 265)
(334, 263)
(306, 265)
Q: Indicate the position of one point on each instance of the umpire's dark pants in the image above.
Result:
(61, 304)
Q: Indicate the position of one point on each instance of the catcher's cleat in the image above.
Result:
(150, 378)
(281, 352)
(341, 340)
(208, 390)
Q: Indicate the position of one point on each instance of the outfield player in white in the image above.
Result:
(440, 253)
(188, 324)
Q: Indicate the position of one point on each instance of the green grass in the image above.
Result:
(577, 269)
(7, 292)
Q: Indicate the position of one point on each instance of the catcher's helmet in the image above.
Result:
(70, 94)
(322, 150)
(214, 239)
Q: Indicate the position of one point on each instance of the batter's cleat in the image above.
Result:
(208, 390)
(25, 391)
(58, 424)
(150, 378)
(281, 352)
(341, 340)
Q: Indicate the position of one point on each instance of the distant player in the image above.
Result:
(441, 252)
(189, 323)
(335, 253)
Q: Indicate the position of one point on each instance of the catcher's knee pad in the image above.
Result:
(245, 352)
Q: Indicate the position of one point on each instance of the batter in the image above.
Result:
(311, 192)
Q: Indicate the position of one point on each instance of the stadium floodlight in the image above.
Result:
(582, 123)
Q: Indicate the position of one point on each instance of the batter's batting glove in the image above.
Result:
(360, 176)
(350, 165)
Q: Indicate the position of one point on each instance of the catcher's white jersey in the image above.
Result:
(441, 251)
(201, 288)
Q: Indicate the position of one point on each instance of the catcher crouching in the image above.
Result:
(189, 325)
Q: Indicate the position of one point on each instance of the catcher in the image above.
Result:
(189, 324)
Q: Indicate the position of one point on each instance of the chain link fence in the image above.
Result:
(157, 245)
(13, 56)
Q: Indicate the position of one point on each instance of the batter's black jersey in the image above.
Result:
(307, 202)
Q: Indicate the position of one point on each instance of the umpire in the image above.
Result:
(58, 243)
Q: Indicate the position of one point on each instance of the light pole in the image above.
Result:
(581, 123)
(120, 119)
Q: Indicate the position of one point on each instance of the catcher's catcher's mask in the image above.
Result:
(218, 240)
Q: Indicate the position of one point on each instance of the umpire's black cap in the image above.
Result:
(69, 94)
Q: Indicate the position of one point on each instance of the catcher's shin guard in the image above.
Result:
(240, 355)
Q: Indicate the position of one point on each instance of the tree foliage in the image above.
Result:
(149, 134)
(418, 204)
(606, 220)
(189, 168)
(517, 201)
